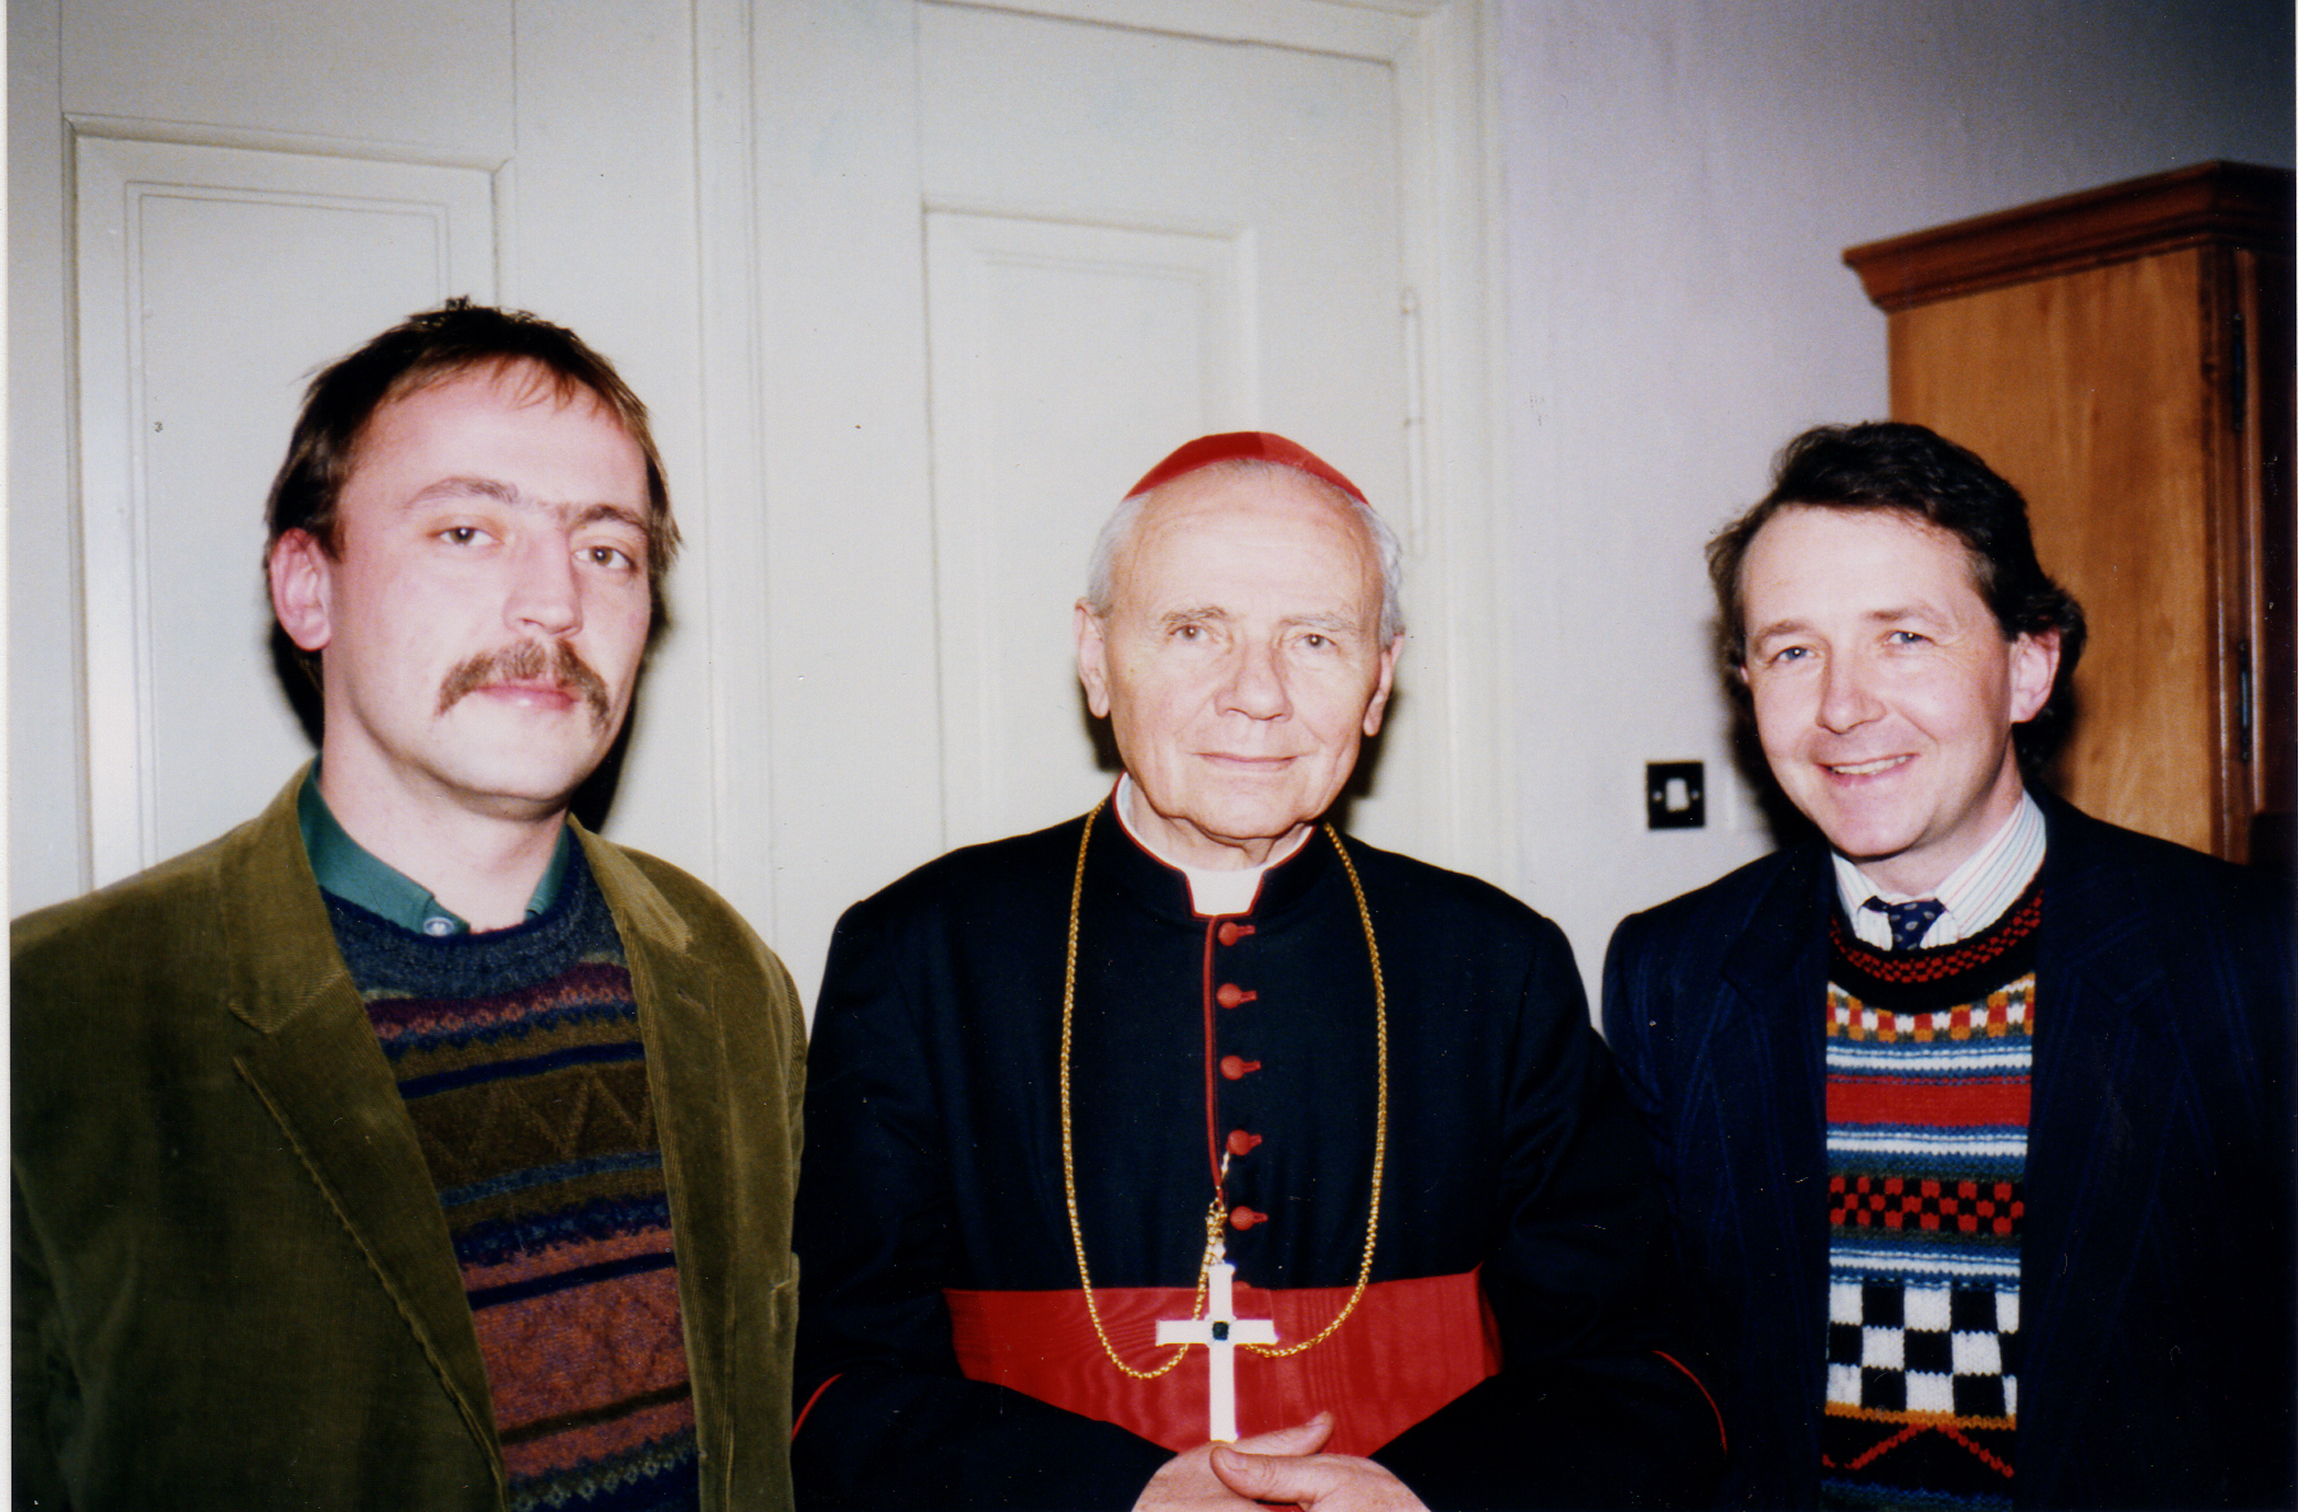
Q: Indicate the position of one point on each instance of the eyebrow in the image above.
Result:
(509, 496)
(1914, 611)
(592, 513)
(455, 487)
(1326, 624)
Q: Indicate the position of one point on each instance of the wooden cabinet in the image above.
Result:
(2124, 357)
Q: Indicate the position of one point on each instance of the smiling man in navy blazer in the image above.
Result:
(1975, 1111)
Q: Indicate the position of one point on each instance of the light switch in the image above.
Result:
(1675, 795)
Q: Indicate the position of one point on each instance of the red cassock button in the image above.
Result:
(1231, 932)
(1237, 1068)
(1245, 1218)
(1241, 1143)
(1229, 995)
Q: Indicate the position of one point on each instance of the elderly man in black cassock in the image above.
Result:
(1193, 1119)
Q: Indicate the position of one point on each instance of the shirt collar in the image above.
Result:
(1213, 892)
(1976, 894)
(355, 874)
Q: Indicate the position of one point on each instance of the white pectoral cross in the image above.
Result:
(1220, 1331)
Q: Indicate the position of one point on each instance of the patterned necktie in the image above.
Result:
(1909, 921)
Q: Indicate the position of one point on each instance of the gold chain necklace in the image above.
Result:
(1216, 1216)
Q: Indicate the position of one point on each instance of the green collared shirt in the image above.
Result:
(351, 872)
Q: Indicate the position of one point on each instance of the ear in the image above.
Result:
(302, 588)
(1387, 679)
(1092, 661)
(2034, 667)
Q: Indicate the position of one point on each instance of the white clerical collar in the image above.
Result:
(1212, 892)
(1976, 894)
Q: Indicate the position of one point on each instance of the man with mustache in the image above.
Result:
(409, 1146)
(1196, 1083)
(1974, 1111)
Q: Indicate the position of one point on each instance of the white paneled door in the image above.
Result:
(1131, 232)
(209, 200)
(212, 198)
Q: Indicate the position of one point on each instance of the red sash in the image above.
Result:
(1409, 1348)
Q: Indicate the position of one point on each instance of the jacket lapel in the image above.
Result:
(1771, 1021)
(313, 1059)
(2096, 1133)
(686, 1067)
(1768, 1055)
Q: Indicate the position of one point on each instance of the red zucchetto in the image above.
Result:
(1257, 446)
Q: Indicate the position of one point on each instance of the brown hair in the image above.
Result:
(1885, 464)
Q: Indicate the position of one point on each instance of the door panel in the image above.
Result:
(1187, 236)
(1066, 359)
(213, 281)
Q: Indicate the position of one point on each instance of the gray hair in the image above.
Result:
(1101, 569)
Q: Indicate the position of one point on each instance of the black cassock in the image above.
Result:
(933, 1175)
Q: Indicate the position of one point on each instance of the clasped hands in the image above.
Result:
(1284, 1468)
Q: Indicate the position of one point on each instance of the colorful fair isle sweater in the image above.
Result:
(519, 1057)
(1929, 1054)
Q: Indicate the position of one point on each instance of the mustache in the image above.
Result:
(526, 662)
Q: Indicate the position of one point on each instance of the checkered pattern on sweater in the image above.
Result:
(1929, 1054)
(518, 1054)
(1945, 1347)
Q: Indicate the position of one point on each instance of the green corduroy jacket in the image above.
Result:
(233, 1282)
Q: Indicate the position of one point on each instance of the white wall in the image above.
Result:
(1682, 177)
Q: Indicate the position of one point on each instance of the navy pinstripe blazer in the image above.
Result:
(2155, 1272)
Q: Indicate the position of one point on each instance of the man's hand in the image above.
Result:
(1314, 1483)
(1186, 1482)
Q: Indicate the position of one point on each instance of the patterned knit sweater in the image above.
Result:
(1929, 1054)
(518, 1054)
